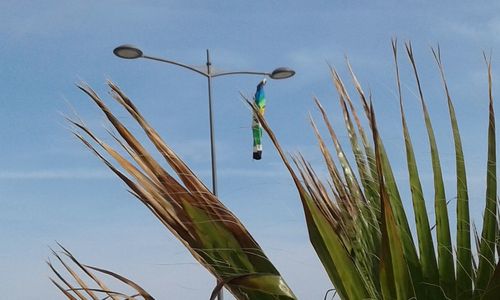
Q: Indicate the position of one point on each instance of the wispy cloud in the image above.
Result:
(242, 172)
(484, 30)
(55, 174)
(105, 174)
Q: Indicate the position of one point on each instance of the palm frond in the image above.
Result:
(366, 218)
(210, 232)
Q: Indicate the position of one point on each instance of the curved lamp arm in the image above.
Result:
(218, 74)
(240, 73)
(176, 63)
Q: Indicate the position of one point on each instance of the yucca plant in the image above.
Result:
(356, 219)
(358, 225)
(212, 234)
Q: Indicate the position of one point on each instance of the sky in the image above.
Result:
(53, 189)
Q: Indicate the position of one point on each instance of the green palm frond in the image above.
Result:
(365, 217)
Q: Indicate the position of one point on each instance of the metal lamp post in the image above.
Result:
(131, 52)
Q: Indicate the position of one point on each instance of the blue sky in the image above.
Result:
(51, 188)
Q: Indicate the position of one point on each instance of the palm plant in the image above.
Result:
(356, 219)
(359, 228)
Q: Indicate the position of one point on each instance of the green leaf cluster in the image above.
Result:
(357, 222)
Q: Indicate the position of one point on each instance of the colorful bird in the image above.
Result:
(260, 102)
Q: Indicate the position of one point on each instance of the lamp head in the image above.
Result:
(127, 51)
(282, 73)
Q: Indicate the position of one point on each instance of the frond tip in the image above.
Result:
(80, 282)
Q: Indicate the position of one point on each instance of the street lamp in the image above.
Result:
(128, 51)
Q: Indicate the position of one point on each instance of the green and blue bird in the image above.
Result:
(260, 102)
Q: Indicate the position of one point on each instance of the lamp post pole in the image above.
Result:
(132, 52)
(212, 137)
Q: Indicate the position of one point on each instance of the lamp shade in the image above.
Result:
(127, 52)
(282, 73)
